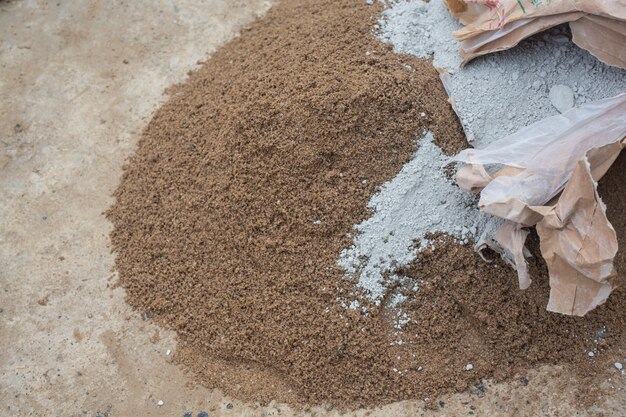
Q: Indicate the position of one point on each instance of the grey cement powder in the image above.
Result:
(495, 96)
(500, 93)
(420, 199)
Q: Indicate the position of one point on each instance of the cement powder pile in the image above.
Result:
(500, 93)
(495, 96)
(419, 200)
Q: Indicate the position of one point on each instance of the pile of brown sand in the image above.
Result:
(230, 218)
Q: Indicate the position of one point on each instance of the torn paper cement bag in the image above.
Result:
(605, 38)
(598, 26)
(545, 175)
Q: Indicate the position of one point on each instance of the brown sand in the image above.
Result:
(215, 233)
(468, 311)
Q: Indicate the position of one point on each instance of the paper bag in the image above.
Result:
(545, 175)
(494, 25)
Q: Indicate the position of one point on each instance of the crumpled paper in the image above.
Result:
(598, 26)
(545, 176)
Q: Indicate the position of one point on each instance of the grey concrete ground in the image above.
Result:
(78, 81)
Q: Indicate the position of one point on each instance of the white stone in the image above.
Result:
(561, 97)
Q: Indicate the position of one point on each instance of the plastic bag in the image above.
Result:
(522, 178)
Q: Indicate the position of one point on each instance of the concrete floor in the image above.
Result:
(79, 80)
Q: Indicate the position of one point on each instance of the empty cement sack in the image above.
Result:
(545, 175)
(598, 26)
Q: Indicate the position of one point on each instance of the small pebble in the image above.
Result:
(187, 414)
(160, 403)
(619, 366)
(168, 352)
(591, 354)
(469, 367)
(203, 414)
(229, 406)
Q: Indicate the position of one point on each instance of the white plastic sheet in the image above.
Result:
(521, 178)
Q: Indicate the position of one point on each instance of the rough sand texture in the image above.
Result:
(245, 186)
(230, 218)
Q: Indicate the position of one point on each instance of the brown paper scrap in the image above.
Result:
(578, 244)
(511, 236)
(598, 26)
(604, 38)
(484, 15)
(502, 39)
(546, 176)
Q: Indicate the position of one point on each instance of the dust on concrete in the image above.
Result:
(79, 80)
